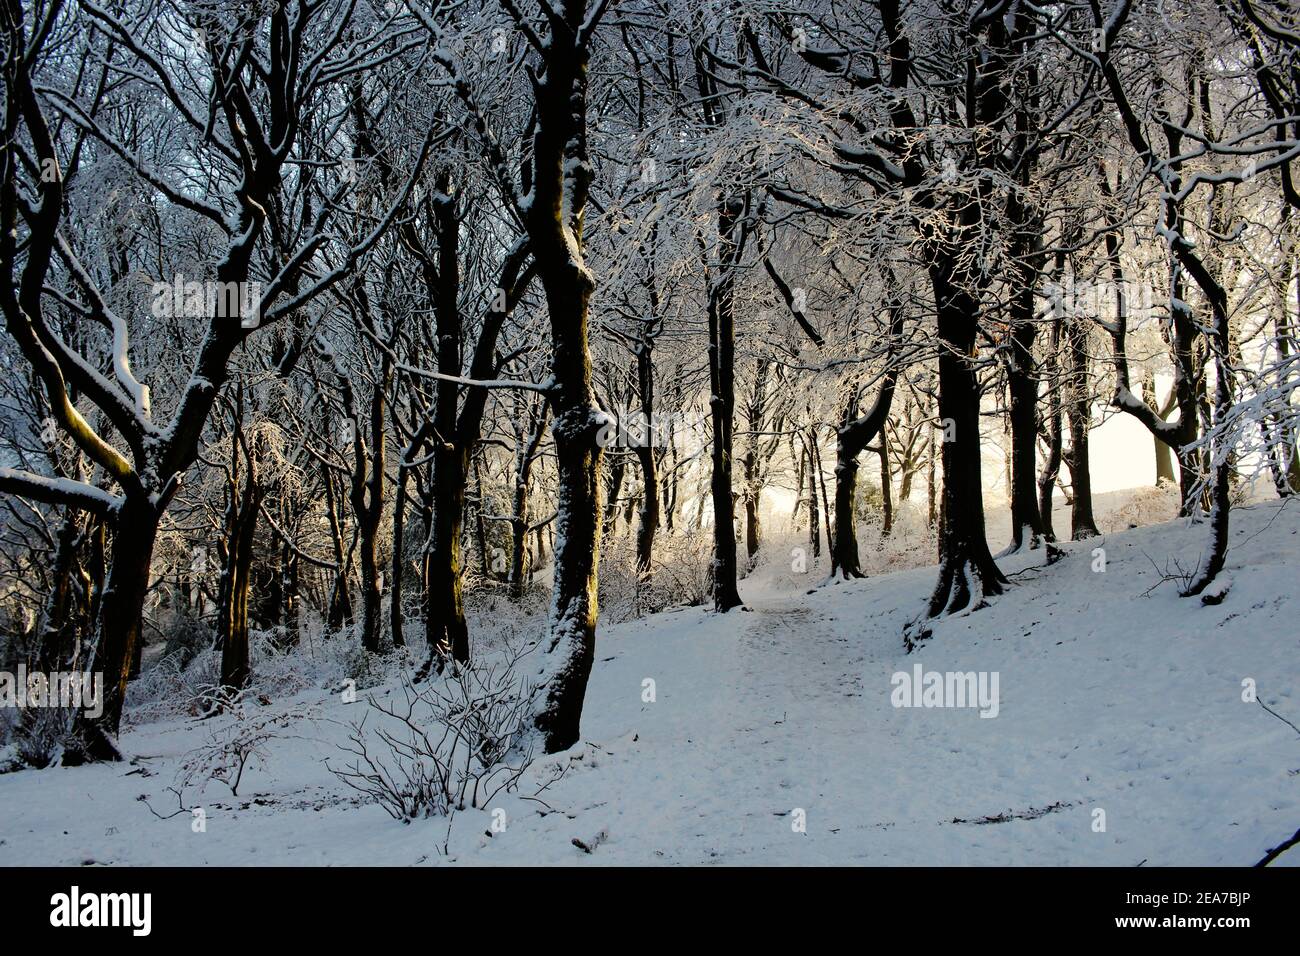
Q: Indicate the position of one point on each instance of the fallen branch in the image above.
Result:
(1278, 850)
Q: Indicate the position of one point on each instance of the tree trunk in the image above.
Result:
(648, 519)
(480, 523)
(814, 516)
(539, 552)
(289, 585)
(967, 571)
(1051, 434)
(753, 533)
(1026, 519)
(370, 589)
(446, 630)
(1181, 337)
(647, 455)
(519, 523)
(560, 174)
(931, 515)
(134, 533)
(339, 613)
(234, 649)
(820, 478)
(851, 438)
(57, 633)
(886, 491)
(1221, 488)
(521, 520)
(669, 507)
(396, 616)
(844, 550)
(234, 614)
(797, 456)
(1164, 455)
(1219, 343)
(614, 488)
(722, 401)
(1079, 414)
(1284, 449)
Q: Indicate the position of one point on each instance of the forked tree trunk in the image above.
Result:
(1181, 338)
(851, 438)
(1164, 455)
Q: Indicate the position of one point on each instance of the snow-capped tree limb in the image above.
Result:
(58, 491)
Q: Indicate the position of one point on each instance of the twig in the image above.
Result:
(1277, 715)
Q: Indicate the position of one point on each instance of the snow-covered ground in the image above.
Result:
(1113, 696)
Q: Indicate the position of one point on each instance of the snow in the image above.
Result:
(1112, 696)
(62, 487)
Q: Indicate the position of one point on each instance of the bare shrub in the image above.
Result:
(188, 636)
(619, 581)
(679, 577)
(1150, 505)
(236, 740)
(168, 690)
(911, 542)
(447, 743)
(1174, 571)
(42, 735)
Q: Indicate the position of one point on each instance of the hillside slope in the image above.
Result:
(1111, 697)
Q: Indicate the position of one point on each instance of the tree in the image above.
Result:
(557, 181)
(264, 75)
